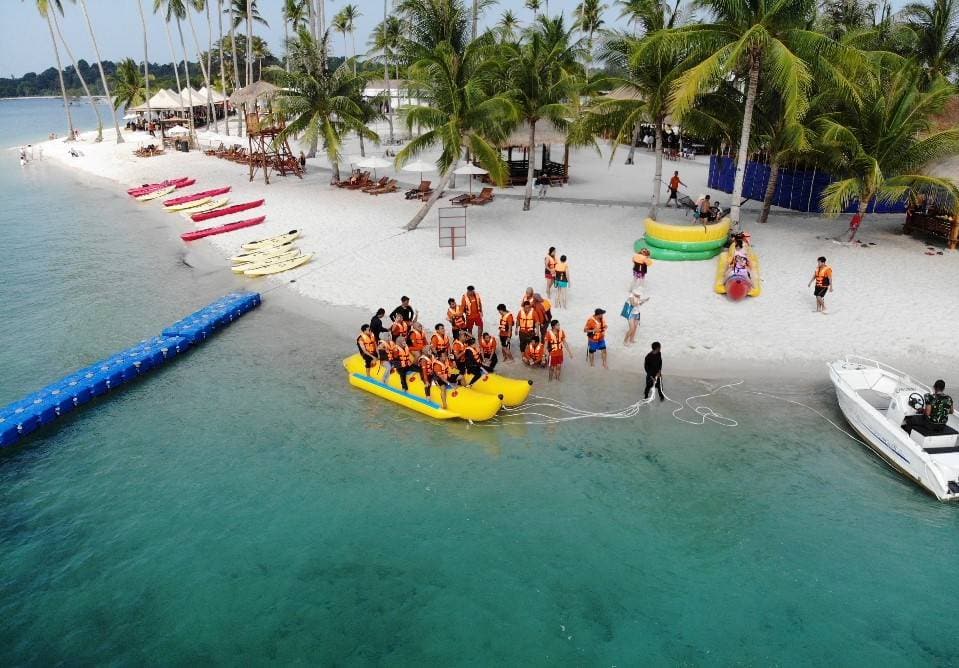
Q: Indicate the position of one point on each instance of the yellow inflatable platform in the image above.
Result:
(691, 232)
(462, 402)
(513, 390)
(754, 269)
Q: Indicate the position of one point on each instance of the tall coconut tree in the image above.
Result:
(323, 105)
(936, 29)
(542, 77)
(386, 39)
(219, 13)
(246, 11)
(879, 144)
(146, 58)
(341, 25)
(589, 17)
(754, 39)
(129, 86)
(295, 15)
(175, 10)
(533, 6)
(83, 82)
(454, 79)
(189, 7)
(103, 76)
(507, 26)
(44, 7)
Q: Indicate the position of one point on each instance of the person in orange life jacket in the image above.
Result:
(440, 341)
(534, 354)
(541, 308)
(555, 343)
(472, 361)
(506, 324)
(596, 333)
(472, 306)
(400, 359)
(366, 344)
(561, 281)
(376, 323)
(823, 279)
(487, 347)
(425, 363)
(527, 297)
(400, 327)
(404, 308)
(641, 264)
(458, 349)
(456, 317)
(525, 325)
(549, 267)
(416, 340)
(444, 375)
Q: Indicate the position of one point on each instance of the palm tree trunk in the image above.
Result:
(658, 171)
(189, 88)
(311, 17)
(475, 20)
(176, 70)
(530, 167)
(63, 87)
(103, 77)
(219, 13)
(286, 44)
(632, 145)
(146, 62)
(86, 90)
(770, 190)
(249, 42)
(199, 57)
(744, 137)
(236, 62)
(428, 204)
(209, 67)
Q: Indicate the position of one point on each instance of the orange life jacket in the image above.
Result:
(400, 329)
(459, 350)
(488, 346)
(547, 305)
(441, 344)
(555, 341)
(426, 365)
(561, 269)
(598, 326)
(368, 343)
(440, 368)
(402, 355)
(456, 318)
(506, 324)
(417, 340)
(472, 306)
(527, 320)
(534, 351)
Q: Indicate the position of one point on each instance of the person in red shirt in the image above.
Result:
(674, 184)
(854, 224)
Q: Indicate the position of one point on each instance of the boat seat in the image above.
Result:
(934, 439)
(876, 399)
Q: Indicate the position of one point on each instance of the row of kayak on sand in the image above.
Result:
(262, 257)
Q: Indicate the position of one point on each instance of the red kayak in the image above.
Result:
(196, 196)
(226, 211)
(229, 227)
(149, 187)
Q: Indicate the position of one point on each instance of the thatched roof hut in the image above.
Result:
(258, 90)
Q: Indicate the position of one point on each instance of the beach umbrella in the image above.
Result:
(129, 117)
(419, 166)
(373, 162)
(470, 169)
(178, 130)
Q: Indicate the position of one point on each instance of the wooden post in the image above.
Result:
(954, 233)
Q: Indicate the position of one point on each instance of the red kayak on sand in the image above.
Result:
(226, 211)
(229, 227)
(149, 187)
(196, 196)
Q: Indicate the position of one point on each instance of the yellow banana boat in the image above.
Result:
(722, 277)
(513, 390)
(461, 402)
(691, 232)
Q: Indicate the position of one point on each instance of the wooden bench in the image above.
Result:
(938, 227)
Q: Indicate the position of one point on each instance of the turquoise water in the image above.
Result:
(244, 506)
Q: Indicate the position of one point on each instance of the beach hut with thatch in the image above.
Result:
(547, 136)
(263, 127)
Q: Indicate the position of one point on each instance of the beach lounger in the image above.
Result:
(416, 192)
(389, 187)
(485, 197)
(686, 203)
(361, 182)
(461, 200)
(375, 186)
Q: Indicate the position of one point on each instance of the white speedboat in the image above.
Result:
(876, 399)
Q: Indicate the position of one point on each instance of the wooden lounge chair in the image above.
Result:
(461, 200)
(361, 182)
(416, 192)
(485, 197)
(389, 187)
(686, 203)
(344, 183)
(375, 186)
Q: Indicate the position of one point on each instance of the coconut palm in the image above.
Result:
(103, 76)
(83, 82)
(878, 145)
(44, 8)
(295, 15)
(507, 26)
(323, 105)
(936, 30)
(234, 22)
(340, 25)
(146, 59)
(200, 5)
(261, 51)
(755, 39)
(589, 18)
(542, 75)
(175, 10)
(533, 6)
(246, 11)
(350, 14)
(129, 86)
(219, 14)
(386, 38)
(455, 83)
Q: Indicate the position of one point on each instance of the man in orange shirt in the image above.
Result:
(674, 184)
(823, 279)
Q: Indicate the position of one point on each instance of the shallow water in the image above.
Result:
(245, 505)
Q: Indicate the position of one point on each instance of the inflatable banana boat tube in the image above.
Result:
(514, 391)
(738, 285)
(691, 241)
(461, 402)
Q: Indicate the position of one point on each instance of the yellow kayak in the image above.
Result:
(278, 267)
(162, 192)
(188, 205)
(513, 390)
(262, 254)
(278, 240)
(209, 205)
(691, 232)
(257, 263)
(461, 402)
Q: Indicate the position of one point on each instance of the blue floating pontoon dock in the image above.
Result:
(54, 401)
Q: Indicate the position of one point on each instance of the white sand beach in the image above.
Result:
(891, 302)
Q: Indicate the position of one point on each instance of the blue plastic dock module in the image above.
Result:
(67, 394)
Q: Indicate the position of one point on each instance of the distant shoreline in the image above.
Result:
(52, 97)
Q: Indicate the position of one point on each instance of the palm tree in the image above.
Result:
(533, 6)
(246, 11)
(453, 79)
(129, 86)
(44, 6)
(200, 5)
(589, 16)
(83, 82)
(260, 52)
(175, 9)
(234, 22)
(323, 105)
(879, 144)
(386, 39)
(103, 76)
(542, 77)
(350, 15)
(294, 16)
(508, 26)
(754, 38)
(341, 25)
(219, 14)
(936, 30)
(146, 58)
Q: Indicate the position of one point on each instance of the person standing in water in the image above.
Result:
(561, 281)
(823, 280)
(549, 268)
(653, 364)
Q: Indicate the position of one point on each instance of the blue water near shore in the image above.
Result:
(244, 506)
